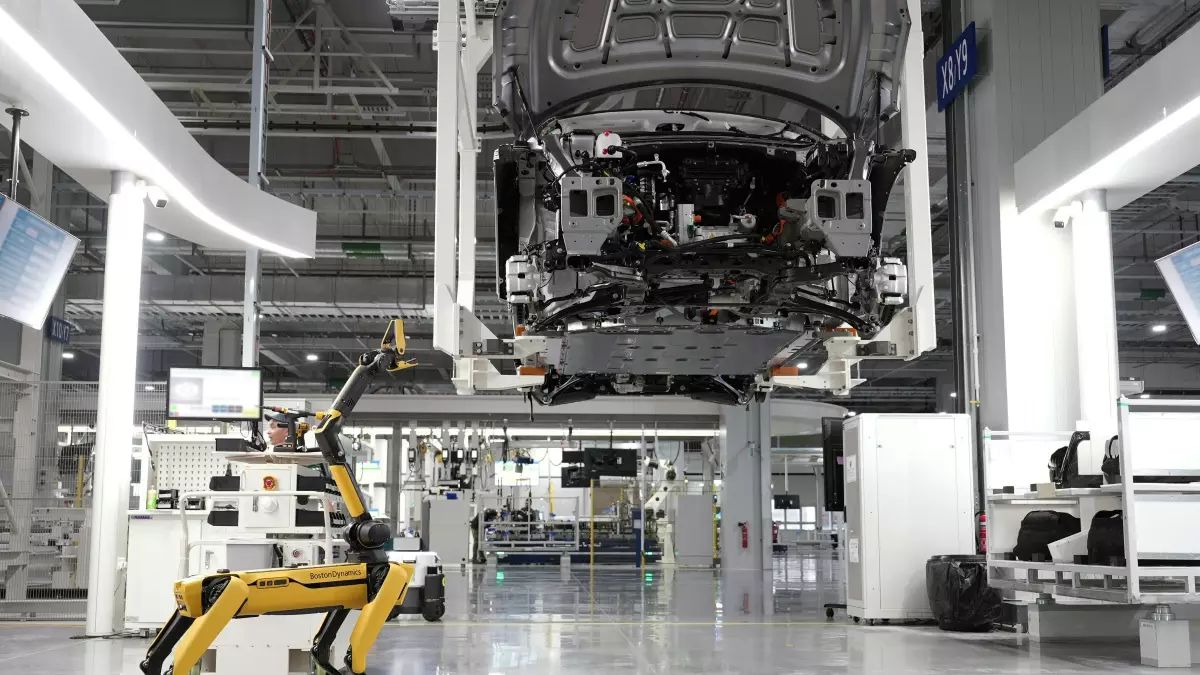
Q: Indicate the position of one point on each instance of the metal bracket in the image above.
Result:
(896, 341)
(478, 374)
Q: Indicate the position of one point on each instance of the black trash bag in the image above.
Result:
(959, 596)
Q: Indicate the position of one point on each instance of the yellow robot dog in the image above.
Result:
(367, 581)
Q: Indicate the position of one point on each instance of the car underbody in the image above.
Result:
(661, 235)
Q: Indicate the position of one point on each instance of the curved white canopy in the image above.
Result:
(91, 114)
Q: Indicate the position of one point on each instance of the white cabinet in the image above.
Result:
(908, 498)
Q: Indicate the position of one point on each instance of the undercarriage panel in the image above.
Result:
(700, 350)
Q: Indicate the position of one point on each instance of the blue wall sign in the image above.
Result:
(957, 67)
(57, 330)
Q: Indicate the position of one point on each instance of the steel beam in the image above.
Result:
(255, 176)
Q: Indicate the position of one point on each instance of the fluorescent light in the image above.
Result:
(67, 356)
(1159, 328)
(313, 357)
(1144, 396)
(1099, 174)
(802, 365)
(155, 236)
(25, 47)
(149, 387)
(954, 394)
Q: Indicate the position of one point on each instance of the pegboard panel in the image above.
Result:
(186, 465)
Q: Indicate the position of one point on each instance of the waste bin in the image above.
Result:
(959, 596)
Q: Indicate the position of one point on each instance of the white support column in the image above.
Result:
(1096, 325)
(918, 222)
(445, 325)
(745, 487)
(220, 344)
(746, 502)
(1029, 379)
(114, 420)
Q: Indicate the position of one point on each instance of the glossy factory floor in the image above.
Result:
(544, 620)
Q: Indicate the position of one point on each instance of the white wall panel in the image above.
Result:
(1041, 67)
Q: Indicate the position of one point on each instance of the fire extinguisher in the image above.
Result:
(982, 533)
(745, 535)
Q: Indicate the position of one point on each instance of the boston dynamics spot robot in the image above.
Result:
(367, 581)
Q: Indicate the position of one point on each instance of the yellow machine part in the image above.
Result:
(290, 590)
(375, 613)
(206, 629)
(343, 480)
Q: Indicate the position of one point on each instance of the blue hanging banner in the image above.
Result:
(957, 67)
(57, 330)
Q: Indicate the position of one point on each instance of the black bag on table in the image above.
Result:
(1106, 538)
(1039, 529)
(1111, 467)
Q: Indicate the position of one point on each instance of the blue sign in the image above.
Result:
(957, 67)
(57, 330)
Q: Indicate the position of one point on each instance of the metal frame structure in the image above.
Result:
(1122, 584)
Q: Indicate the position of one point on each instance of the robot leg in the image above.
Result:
(230, 593)
(323, 641)
(373, 616)
(161, 648)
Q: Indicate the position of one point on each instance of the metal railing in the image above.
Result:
(47, 436)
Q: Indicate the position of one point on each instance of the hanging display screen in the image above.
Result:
(1182, 273)
(34, 256)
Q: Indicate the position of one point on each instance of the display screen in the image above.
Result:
(34, 256)
(1181, 270)
(225, 394)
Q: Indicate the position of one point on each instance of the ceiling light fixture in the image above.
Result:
(954, 394)
(1144, 396)
(313, 357)
(155, 236)
(1159, 328)
(802, 365)
(149, 387)
(25, 47)
(1099, 174)
(67, 356)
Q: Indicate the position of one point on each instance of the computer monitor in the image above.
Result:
(835, 471)
(221, 394)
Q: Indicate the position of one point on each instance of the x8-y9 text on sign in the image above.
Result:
(957, 67)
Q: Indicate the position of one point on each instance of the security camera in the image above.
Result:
(1064, 214)
(158, 198)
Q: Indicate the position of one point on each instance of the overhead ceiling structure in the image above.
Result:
(90, 114)
(352, 102)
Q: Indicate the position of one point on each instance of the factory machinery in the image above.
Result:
(593, 515)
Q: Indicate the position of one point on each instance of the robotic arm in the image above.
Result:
(363, 533)
(367, 581)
